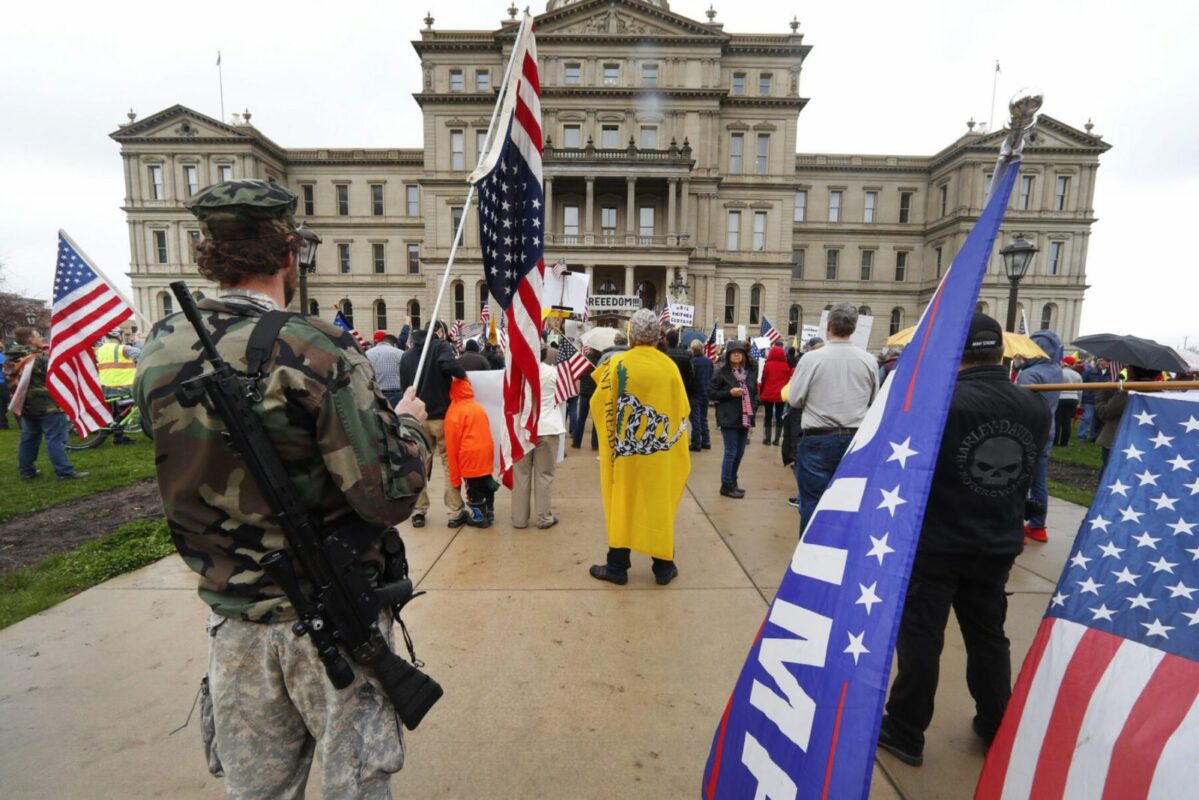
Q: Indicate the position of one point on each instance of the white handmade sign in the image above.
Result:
(681, 314)
(613, 302)
(741, 333)
(861, 334)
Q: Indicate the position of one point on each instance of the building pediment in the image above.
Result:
(620, 18)
(1050, 134)
(179, 122)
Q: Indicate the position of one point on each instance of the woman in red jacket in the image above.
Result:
(775, 375)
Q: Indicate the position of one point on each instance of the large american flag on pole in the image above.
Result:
(86, 306)
(1107, 704)
(803, 717)
(769, 331)
(710, 345)
(511, 235)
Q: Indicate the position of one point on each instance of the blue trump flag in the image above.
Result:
(802, 721)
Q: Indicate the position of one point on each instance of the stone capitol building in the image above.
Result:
(670, 170)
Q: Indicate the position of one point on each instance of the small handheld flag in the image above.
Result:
(340, 321)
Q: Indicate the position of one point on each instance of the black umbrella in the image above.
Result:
(1133, 350)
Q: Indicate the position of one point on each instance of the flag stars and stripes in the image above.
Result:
(1132, 452)
(1145, 418)
(1140, 601)
(1102, 612)
(1119, 488)
(1178, 462)
(1100, 524)
(1193, 616)
(855, 647)
(1182, 526)
(1162, 565)
(1156, 628)
(1191, 424)
(1128, 515)
(1147, 478)
(1193, 486)
(868, 597)
(1145, 540)
(1163, 502)
(1110, 550)
(1182, 590)
(1089, 586)
(1058, 599)
(1079, 560)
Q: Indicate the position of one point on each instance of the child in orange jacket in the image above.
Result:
(469, 450)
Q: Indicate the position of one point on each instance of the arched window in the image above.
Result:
(314, 308)
(794, 320)
(481, 293)
(648, 294)
(755, 305)
(459, 300)
(864, 311)
(896, 320)
(347, 311)
(607, 287)
(1021, 321)
(1048, 316)
(730, 305)
(414, 313)
(380, 315)
(166, 304)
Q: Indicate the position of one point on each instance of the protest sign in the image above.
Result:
(681, 314)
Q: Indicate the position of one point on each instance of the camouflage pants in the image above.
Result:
(435, 433)
(274, 709)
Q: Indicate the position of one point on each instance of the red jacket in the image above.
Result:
(468, 445)
(775, 375)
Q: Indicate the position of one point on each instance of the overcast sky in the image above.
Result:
(883, 77)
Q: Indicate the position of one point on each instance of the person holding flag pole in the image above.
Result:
(512, 223)
(803, 718)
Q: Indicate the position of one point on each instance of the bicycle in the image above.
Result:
(126, 418)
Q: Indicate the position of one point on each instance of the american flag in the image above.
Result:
(710, 345)
(664, 317)
(456, 335)
(485, 313)
(803, 718)
(340, 321)
(559, 268)
(86, 306)
(511, 229)
(770, 331)
(571, 366)
(1107, 704)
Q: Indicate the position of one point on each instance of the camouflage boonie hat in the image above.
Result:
(236, 211)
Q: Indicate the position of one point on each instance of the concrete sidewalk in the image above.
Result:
(557, 685)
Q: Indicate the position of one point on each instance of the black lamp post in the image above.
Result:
(1016, 258)
(307, 260)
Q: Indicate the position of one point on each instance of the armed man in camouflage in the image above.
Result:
(347, 454)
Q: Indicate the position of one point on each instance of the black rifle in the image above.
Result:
(343, 607)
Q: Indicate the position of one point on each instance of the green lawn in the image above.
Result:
(1084, 454)
(1071, 494)
(109, 467)
(28, 591)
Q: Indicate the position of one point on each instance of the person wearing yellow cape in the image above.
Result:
(640, 412)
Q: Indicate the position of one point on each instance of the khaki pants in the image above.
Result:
(534, 473)
(435, 431)
(274, 709)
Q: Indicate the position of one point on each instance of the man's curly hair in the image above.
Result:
(230, 263)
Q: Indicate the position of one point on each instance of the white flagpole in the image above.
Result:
(445, 278)
(91, 262)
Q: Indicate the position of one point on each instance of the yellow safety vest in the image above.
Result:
(116, 370)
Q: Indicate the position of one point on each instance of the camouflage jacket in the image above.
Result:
(344, 449)
(38, 402)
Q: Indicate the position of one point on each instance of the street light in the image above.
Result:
(1016, 258)
(307, 260)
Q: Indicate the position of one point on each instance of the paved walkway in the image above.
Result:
(557, 686)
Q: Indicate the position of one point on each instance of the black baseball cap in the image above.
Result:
(985, 334)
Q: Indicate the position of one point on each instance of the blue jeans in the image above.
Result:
(1087, 429)
(734, 449)
(1039, 491)
(700, 435)
(572, 412)
(54, 428)
(816, 460)
(393, 396)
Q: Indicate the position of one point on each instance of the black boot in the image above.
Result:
(731, 490)
(778, 435)
(766, 438)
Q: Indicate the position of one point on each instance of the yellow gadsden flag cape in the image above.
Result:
(640, 412)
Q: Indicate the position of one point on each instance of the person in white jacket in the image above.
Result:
(534, 473)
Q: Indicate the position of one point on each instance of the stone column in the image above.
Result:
(684, 219)
(672, 185)
(628, 281)
(631, 210)
(590, 269)
(588, 221)
(689, 295)
(549, 205)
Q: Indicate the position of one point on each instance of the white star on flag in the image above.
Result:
(880, 550)
(1119, 488)
(1181, 590)
(1145, 540)
(1132, 452)
(1182, 526)
(1162, 565)
(1194, 487)
(901, 452)
(1191, 424)
(868, 598)
(1178, 462)
(1156, 628)
(1103, 612)
(1147, 478)
(1110, 549)
(1163, 502)
(1090, 586)
(891, 500)
(1126, 576)
(1140, 601)
(1079, 560)
(1145, 418)
(1099, 523)
(855, 646)
(1128, 515)
(1193, 616)
(1059, 599)
(1161, 440)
